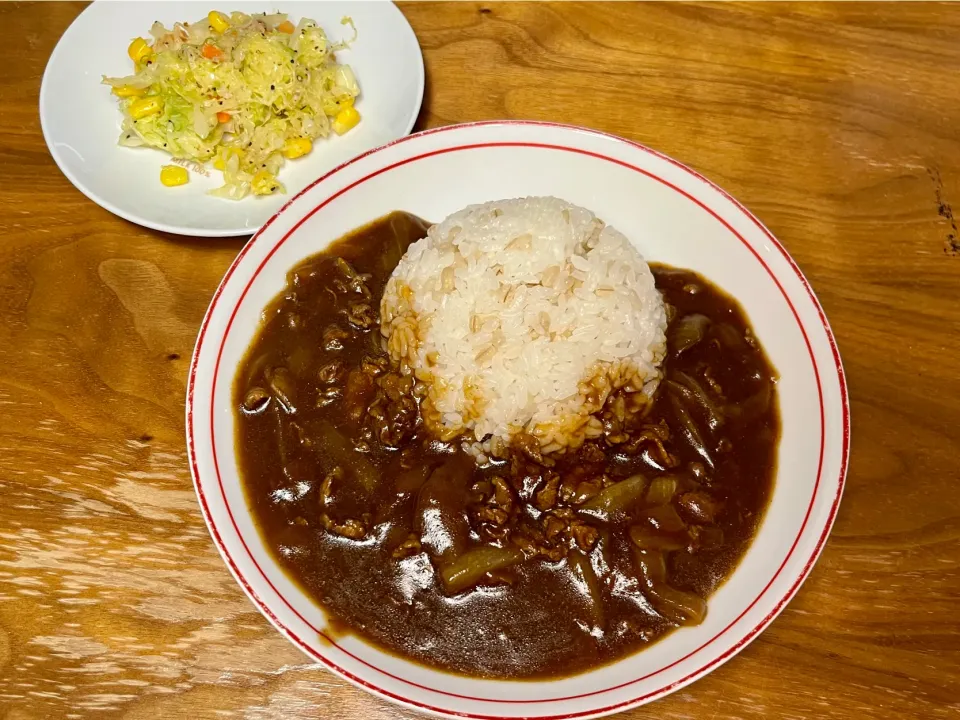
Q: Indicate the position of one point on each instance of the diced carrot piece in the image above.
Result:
(211, 52)
(286, 27)
(223, 117)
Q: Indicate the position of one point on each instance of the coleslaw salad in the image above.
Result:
(245, 92)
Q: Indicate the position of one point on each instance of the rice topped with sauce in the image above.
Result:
(523, 316)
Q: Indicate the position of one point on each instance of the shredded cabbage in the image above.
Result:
(243, 98)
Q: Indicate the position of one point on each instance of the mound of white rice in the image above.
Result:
(523, 316)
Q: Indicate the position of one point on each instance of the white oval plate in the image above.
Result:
(674, 216)
(81, 121)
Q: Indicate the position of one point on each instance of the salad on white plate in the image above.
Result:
(226, 169)
(246, 92)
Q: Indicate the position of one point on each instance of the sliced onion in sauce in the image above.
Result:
(687, 332)
(300, 360)
(282, 387)
(616, 498)
(470, 568)
(347, 269)
(699, 395)
(589, 584)
(708, 537)
(754, 406)
(255, 401)
(730, 338)
(690, 430)
(661, 490)
(677, 606)
(287, 434)
(648, 539)
(440, 516)
(257, 368)
(652, 565)
(665, 518)
(338, 447)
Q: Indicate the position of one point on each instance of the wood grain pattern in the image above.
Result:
(837, 124)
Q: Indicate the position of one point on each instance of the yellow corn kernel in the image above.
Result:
(264, 183)
(292, 149)
(128, 91)
(218, 21)
(346, 119)
(220, 163)
(143, 107)
(139, 50)
(173, 175)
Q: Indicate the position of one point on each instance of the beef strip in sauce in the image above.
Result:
(534, 566)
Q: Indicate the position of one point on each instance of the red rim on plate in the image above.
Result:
(211, 523)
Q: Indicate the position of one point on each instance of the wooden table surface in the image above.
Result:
(837, 124)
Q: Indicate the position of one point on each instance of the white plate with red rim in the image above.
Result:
(81, 120)
(674, 216)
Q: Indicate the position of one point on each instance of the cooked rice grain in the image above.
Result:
(523, 315)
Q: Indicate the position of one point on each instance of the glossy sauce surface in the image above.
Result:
(368, 513)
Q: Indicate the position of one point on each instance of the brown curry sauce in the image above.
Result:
(342, 479)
